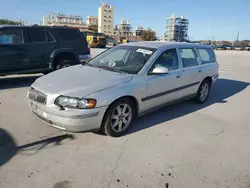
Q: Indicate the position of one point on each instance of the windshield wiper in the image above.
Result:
(111, 68)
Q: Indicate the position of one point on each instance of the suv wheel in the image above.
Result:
(203, 92)
(119, 118)
(64, 63)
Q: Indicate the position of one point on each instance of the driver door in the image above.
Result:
(163, 88)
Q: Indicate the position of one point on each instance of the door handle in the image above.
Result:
(54, 47)
(199, 71)
(178, 76)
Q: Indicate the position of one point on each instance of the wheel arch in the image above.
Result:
(130, 97)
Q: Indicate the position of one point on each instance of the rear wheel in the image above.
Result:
(119, 118)
(203, 92)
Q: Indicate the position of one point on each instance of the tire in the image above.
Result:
(64, 63)
(113, 123)
(203, 92)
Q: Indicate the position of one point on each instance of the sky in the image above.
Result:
(213, 19)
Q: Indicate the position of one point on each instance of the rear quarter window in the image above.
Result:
(206, 55)
(69, 34)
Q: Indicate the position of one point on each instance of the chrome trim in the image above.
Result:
(85, 57)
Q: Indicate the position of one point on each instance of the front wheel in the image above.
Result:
(203, 92)
(119, 118)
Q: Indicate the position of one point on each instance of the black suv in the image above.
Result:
(40, 49)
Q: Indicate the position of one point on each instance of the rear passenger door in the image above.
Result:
(41, 46)
(13, 49)
(191, 71)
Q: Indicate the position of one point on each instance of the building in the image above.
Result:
(177, 29)
(138, 30)
(92, 20)
(75, 21)
(106, 19)
(124, 28)
(62, 19)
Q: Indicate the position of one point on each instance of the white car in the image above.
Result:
(129, 80)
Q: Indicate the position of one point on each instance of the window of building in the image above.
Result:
(37, 34)
(168, 59)
(68, 34)
(11, 36)
(207, 55)
(189, 57)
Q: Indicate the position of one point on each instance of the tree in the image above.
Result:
(148, 35)
(10, 22)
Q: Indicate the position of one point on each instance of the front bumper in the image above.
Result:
(71, 120)
(84, 58)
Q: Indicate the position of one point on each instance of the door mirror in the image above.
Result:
(160, 70)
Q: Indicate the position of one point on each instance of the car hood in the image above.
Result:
(79, 81)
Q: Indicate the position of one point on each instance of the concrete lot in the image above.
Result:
(185, 145)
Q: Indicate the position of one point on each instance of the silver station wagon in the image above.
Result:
(118, 85)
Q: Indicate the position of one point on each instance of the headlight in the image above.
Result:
(72, 102)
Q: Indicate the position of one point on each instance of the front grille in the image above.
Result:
(37, 96)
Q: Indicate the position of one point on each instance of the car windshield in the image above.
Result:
(128, 59)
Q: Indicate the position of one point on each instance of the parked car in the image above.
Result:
(229, 48)
(239, 48)
(122, 83)
(247, 48)
(220, 47)
(38, 49)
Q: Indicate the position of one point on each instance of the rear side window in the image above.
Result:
(207, 55)
(69, 34)
(11, 36)
(37, 35)
(189, 57)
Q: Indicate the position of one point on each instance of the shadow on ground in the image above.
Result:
(16, 82)
(223, 89)
(8, 147)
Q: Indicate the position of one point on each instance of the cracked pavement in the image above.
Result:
(183, 145)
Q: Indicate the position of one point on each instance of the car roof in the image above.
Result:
(160, 45)
(38, 26)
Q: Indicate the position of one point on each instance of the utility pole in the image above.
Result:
(237, 38)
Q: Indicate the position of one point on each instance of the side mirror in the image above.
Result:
(160, 70)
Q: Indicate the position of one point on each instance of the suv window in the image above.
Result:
(189, 57)
(11, 36)
(168, 59)
(68, 34)
(50, 37)
(207, 55)
(37, 34)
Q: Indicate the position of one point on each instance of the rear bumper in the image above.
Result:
(84, 58)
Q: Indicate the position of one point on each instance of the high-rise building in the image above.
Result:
(177, 29)
(124, 28)
(106, 19)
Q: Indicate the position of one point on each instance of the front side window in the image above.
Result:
(129, 59)
(37, 34)
(167, 59)
(11, 36)
(189, 58)
(207, 55)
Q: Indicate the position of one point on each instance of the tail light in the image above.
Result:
(88, 48)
